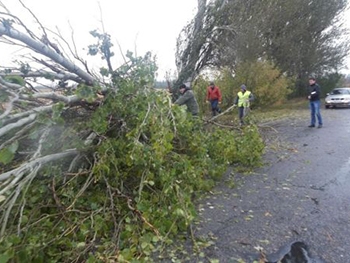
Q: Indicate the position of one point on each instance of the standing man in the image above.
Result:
(214, 97)
(242, 100)
(187, 98)
(315, 103)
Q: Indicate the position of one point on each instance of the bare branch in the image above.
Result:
(53, 96)
(20, 22)
(47, 74)
(37, 154)
(222, 113)
(17, 116)
(20, 134)
(18, 124)
(10, 85)
(41, 48)
(8, 210)
(42, 160)
(9, 105)
(3, 6)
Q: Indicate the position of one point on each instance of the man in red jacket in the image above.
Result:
(214, 97)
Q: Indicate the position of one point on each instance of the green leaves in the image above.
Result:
(86, 92)
(4, 258)
(57, 111)
(15, 79)
(8, 153)
(3, 97)
(135, 186)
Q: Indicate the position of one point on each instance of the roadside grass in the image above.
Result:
(294, 108)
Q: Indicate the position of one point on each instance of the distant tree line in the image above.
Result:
(300, 37)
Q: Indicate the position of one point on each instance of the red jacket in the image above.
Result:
(214, 94)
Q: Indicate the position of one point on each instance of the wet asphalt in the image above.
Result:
(302, 193)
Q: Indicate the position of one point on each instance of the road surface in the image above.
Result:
(301, 194)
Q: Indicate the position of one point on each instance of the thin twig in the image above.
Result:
(112, 208)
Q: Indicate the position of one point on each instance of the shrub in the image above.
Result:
(268, 83)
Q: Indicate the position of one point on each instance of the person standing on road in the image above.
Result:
(242, 100)
(315, 103)
(214, 97)
(187, 98)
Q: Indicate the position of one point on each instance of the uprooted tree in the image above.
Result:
(95, 164)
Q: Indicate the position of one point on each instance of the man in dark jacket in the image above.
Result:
(315, 103)
(187, 98)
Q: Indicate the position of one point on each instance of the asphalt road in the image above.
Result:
(301, 194)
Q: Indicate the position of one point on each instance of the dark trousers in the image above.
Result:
(242, 112)
(214, 106)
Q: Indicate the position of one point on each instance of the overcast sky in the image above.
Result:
(137, 25)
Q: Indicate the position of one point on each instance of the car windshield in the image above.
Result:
(340, 91)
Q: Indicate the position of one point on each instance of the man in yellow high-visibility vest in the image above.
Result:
(242, 100)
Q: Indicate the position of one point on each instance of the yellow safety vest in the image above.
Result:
(243, 99)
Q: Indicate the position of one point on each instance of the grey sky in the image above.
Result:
(137, 25)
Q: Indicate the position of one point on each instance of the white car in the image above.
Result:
(339, 97)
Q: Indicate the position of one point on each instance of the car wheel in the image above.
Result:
(327, 106)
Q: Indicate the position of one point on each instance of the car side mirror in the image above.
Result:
(327, 94)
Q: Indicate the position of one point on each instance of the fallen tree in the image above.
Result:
(98, 167)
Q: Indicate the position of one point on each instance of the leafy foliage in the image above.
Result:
(3, 97)
(15, 79)
(102, 46)
(101, 168)
(299, 37)
(135, 186)
(200, 89)
(267, 83)
(329, 82)
(250, 147)
(7, 154)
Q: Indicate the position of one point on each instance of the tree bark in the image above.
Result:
(43, 49)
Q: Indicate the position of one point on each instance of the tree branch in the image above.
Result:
(42, 160)
(41, 48)
(17, 124)
(46, 74)
(53, 96)
(9, 105)
(14, 117)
